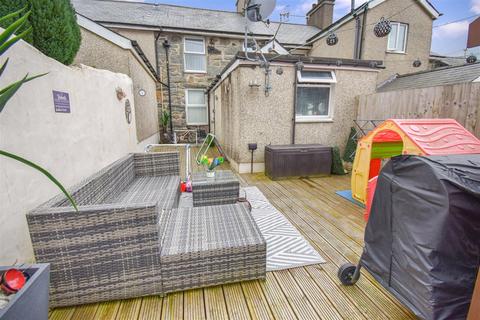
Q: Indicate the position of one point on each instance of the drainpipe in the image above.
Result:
(166, 45)
(362, 39)
(298, 67)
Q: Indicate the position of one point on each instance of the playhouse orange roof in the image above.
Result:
(439, 136)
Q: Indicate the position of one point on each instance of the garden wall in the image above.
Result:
(71, 145)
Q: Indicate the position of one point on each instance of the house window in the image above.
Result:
(196, 107)
(397, 39)
(194, 55)
(314, 96)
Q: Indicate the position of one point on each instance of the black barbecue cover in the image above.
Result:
(422, 240)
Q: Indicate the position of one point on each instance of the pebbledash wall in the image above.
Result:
(71, 146)
(242, 114)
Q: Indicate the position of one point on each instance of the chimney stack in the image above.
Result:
(321, 14)
(240, 5)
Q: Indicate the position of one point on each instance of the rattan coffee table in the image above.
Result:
(221, 189)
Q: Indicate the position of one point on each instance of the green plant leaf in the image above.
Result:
(8, 92)
(45, 172)
(4, 66)
(5, 35)
(13, 14)
(5, 46)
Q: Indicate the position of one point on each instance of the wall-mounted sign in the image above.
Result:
(61, 101)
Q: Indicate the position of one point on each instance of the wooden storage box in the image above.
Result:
(299, 160)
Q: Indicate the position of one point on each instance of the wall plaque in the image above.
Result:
(61, 101)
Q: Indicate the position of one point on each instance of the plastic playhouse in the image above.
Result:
(414, 136)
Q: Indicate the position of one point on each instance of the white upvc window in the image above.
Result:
(196, 107)
(314, 101)
(397, 38)
(194, 57)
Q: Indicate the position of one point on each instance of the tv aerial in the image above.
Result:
(258, 11)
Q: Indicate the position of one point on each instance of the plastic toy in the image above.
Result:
(414, 136)
(211, 163)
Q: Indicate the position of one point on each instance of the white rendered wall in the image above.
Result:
(71, 146)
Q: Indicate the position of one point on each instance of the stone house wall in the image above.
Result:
(219, 52)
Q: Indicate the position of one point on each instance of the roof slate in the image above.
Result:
(171, 16)
(433, 78)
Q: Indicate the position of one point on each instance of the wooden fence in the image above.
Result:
(460, 102)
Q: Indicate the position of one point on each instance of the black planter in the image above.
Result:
(31, 302)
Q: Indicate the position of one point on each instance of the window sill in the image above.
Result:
(313, 120)
(193, 72)
(396, 52)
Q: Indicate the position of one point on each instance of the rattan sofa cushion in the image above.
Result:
(211, 245)
(164, 190)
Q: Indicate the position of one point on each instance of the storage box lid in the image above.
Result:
(292, 147)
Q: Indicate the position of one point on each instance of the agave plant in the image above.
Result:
(8, 39)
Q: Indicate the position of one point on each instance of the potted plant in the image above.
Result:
(31, 301)
(164, 121)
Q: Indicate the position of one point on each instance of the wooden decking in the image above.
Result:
(333, 226)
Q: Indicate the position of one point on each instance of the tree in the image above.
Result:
(10, 6)
(55, 29)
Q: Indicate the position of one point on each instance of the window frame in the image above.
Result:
(187, 106)
(185, 52)
(301, 79)
(316, 83)
(394, 50)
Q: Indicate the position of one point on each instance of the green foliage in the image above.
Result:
(55, 29)
(9, 11)
(8, 39)
(165, 119)
(351, 147)
(337, 165)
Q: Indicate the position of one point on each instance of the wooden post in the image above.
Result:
(474, 312)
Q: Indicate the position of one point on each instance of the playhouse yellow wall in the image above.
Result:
(361, 164)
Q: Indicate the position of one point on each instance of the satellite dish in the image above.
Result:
(259, 10)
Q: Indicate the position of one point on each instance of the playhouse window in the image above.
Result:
(314, 96)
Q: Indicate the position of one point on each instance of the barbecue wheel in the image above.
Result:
(345, 274)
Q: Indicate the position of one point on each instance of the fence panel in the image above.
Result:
(460, 102)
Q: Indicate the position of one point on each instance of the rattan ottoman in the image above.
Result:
(222, 189)
(212, 245)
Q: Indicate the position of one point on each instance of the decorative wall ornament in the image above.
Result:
(279, 71)
(472, 59)
(128, 111)
(417, 63)
(332, 39)
(382, 28)
(120, 93)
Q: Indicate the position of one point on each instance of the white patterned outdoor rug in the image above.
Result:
(286, 247)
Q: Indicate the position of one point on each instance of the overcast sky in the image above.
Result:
(449, 39)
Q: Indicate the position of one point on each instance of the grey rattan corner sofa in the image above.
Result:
(129, 239)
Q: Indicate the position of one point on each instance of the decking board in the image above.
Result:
(332, 225)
